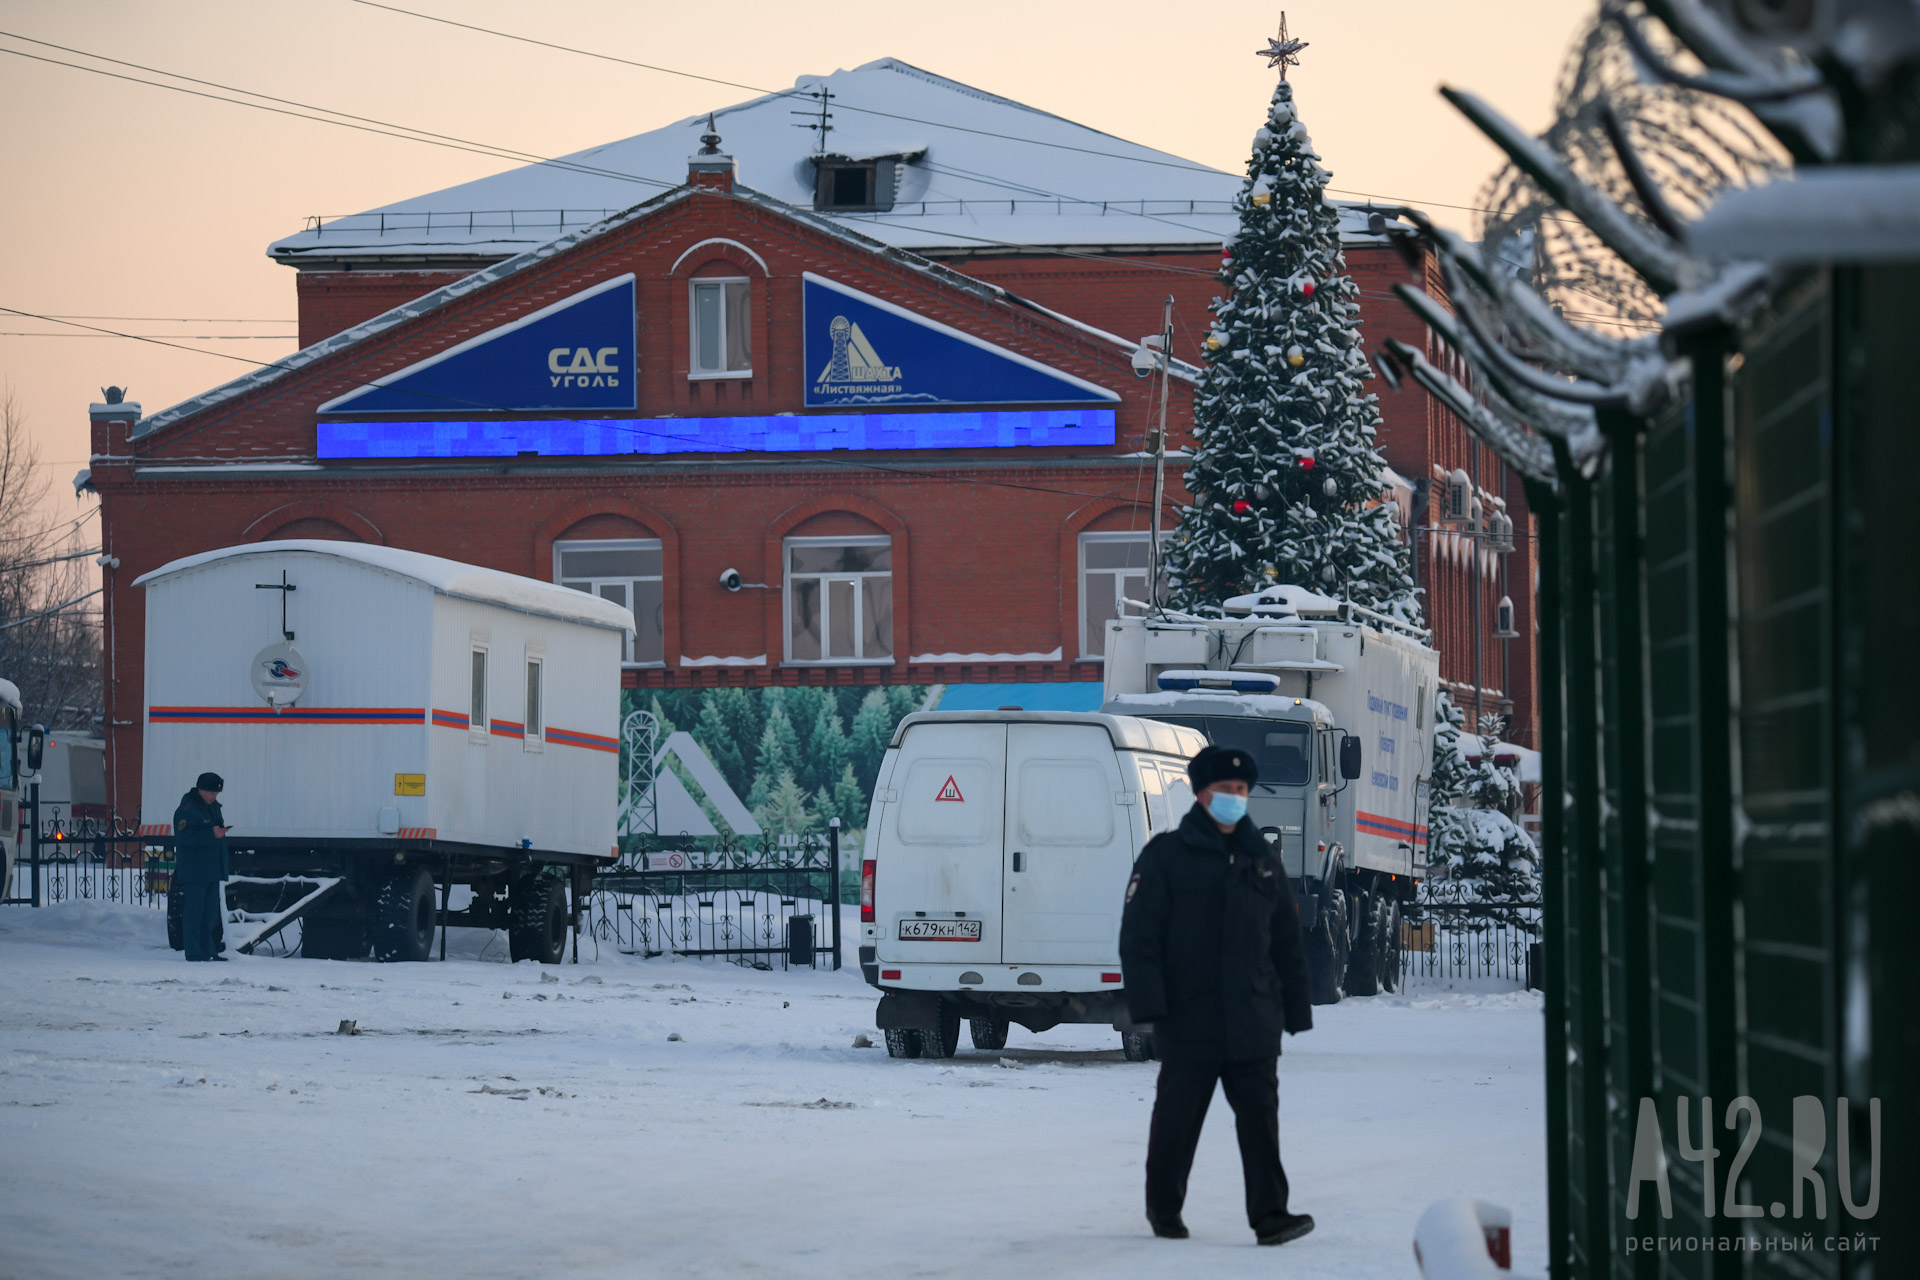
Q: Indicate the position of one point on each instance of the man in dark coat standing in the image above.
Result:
(1211, 952)
(200, 864)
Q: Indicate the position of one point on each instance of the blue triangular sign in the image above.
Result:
(861, 350)
(578, 353)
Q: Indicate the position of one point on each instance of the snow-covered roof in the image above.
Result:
(981, 171)
(9, 694)
(447, 577)
(1127, 732)
(1263, 706)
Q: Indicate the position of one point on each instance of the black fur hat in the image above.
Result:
(209, 782)
(1221, 764)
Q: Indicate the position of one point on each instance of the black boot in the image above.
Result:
(1168, 1228)
(1282, 1227)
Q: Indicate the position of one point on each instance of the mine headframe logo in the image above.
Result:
(583, 367)
(854, 366)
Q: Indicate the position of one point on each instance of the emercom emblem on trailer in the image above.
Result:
(279, 675)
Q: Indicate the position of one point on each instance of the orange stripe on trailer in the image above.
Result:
(574, 738)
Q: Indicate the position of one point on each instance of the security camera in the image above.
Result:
(730, 579)
(1146, 356)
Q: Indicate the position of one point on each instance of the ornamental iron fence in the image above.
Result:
(754, 902)
(1446, 941)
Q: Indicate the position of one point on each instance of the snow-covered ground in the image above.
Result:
(495, 1120)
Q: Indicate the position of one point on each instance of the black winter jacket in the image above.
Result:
(199, 856)
(1210, 944)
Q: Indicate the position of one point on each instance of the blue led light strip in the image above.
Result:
(812, 433)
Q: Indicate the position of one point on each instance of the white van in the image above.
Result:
(999, 847)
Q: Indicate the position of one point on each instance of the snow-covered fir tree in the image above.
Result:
(1477, 852)
(1285, 465)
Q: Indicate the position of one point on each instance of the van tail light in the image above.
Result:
(1109, 977)
(866, 891)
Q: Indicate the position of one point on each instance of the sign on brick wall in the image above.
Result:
(861, 350)
(576, 354)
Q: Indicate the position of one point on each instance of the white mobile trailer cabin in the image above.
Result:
(403, 706)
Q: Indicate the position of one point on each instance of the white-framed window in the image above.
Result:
(1113, 568)
(839, 599)
(477, 697)
(535, 739)
(721, 329)
(626, 571)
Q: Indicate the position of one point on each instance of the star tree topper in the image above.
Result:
(1282, 51)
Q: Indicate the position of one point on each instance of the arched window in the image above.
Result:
(617, 559)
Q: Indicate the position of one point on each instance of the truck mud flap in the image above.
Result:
(907, 1010)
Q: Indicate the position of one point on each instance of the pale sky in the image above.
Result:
(127, 201)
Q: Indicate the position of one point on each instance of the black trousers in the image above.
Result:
(200, 923)
(1180, 1108)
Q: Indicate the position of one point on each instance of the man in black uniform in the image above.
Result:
(1211, 952)
(200, 865)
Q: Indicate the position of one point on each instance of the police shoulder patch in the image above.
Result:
(1133, 886)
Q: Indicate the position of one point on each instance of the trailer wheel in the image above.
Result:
(988, 1033)
(539, 928)
(1327, 953)
(902, 1043)
(403, 916)
(176, 919)
(333, 938)
(1137, 1046)
(941, 1041)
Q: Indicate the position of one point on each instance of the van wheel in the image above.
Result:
(1137, 1046)
(176, 918)
(539, 928)
(988, 1033)
(403, 916)
(1327, 954)
(941, 1041)
(902, 1043)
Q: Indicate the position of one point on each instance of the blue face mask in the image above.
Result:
(1227, 808)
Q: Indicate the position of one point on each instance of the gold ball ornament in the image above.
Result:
(1262, 198)
(1215, 341)
(1296, 357)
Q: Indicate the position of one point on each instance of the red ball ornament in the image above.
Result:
(1306, 288)
(1241, 506)
(1306, 464)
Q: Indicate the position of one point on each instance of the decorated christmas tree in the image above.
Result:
(1285, 480)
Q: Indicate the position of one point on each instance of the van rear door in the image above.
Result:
(1069, 845)
(937, 871)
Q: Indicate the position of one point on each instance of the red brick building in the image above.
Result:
(970, 521)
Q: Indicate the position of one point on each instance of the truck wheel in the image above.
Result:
(176, 919)
(333, 938)
(1390, 950)
(403, 917)
(941, 1041)
(1137, 1046)
(1327, 954)
(1363, 968)
(539, 928)
(988, 1033)
(902, 1043)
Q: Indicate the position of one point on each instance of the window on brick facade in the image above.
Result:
(839, 599)
(628, 573)
(721, 332)
(1113, 569)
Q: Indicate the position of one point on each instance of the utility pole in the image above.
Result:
(1160, 457)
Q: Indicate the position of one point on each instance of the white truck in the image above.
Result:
(388, 725)
(9, 783)
(1336, 705)
(999, 845)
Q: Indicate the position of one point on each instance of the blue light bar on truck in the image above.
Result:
(1218, 682)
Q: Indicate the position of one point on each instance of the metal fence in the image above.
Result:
(1444, 941)
(772, 901)
(89, 859)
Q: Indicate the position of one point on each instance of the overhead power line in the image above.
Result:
(346, 120)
